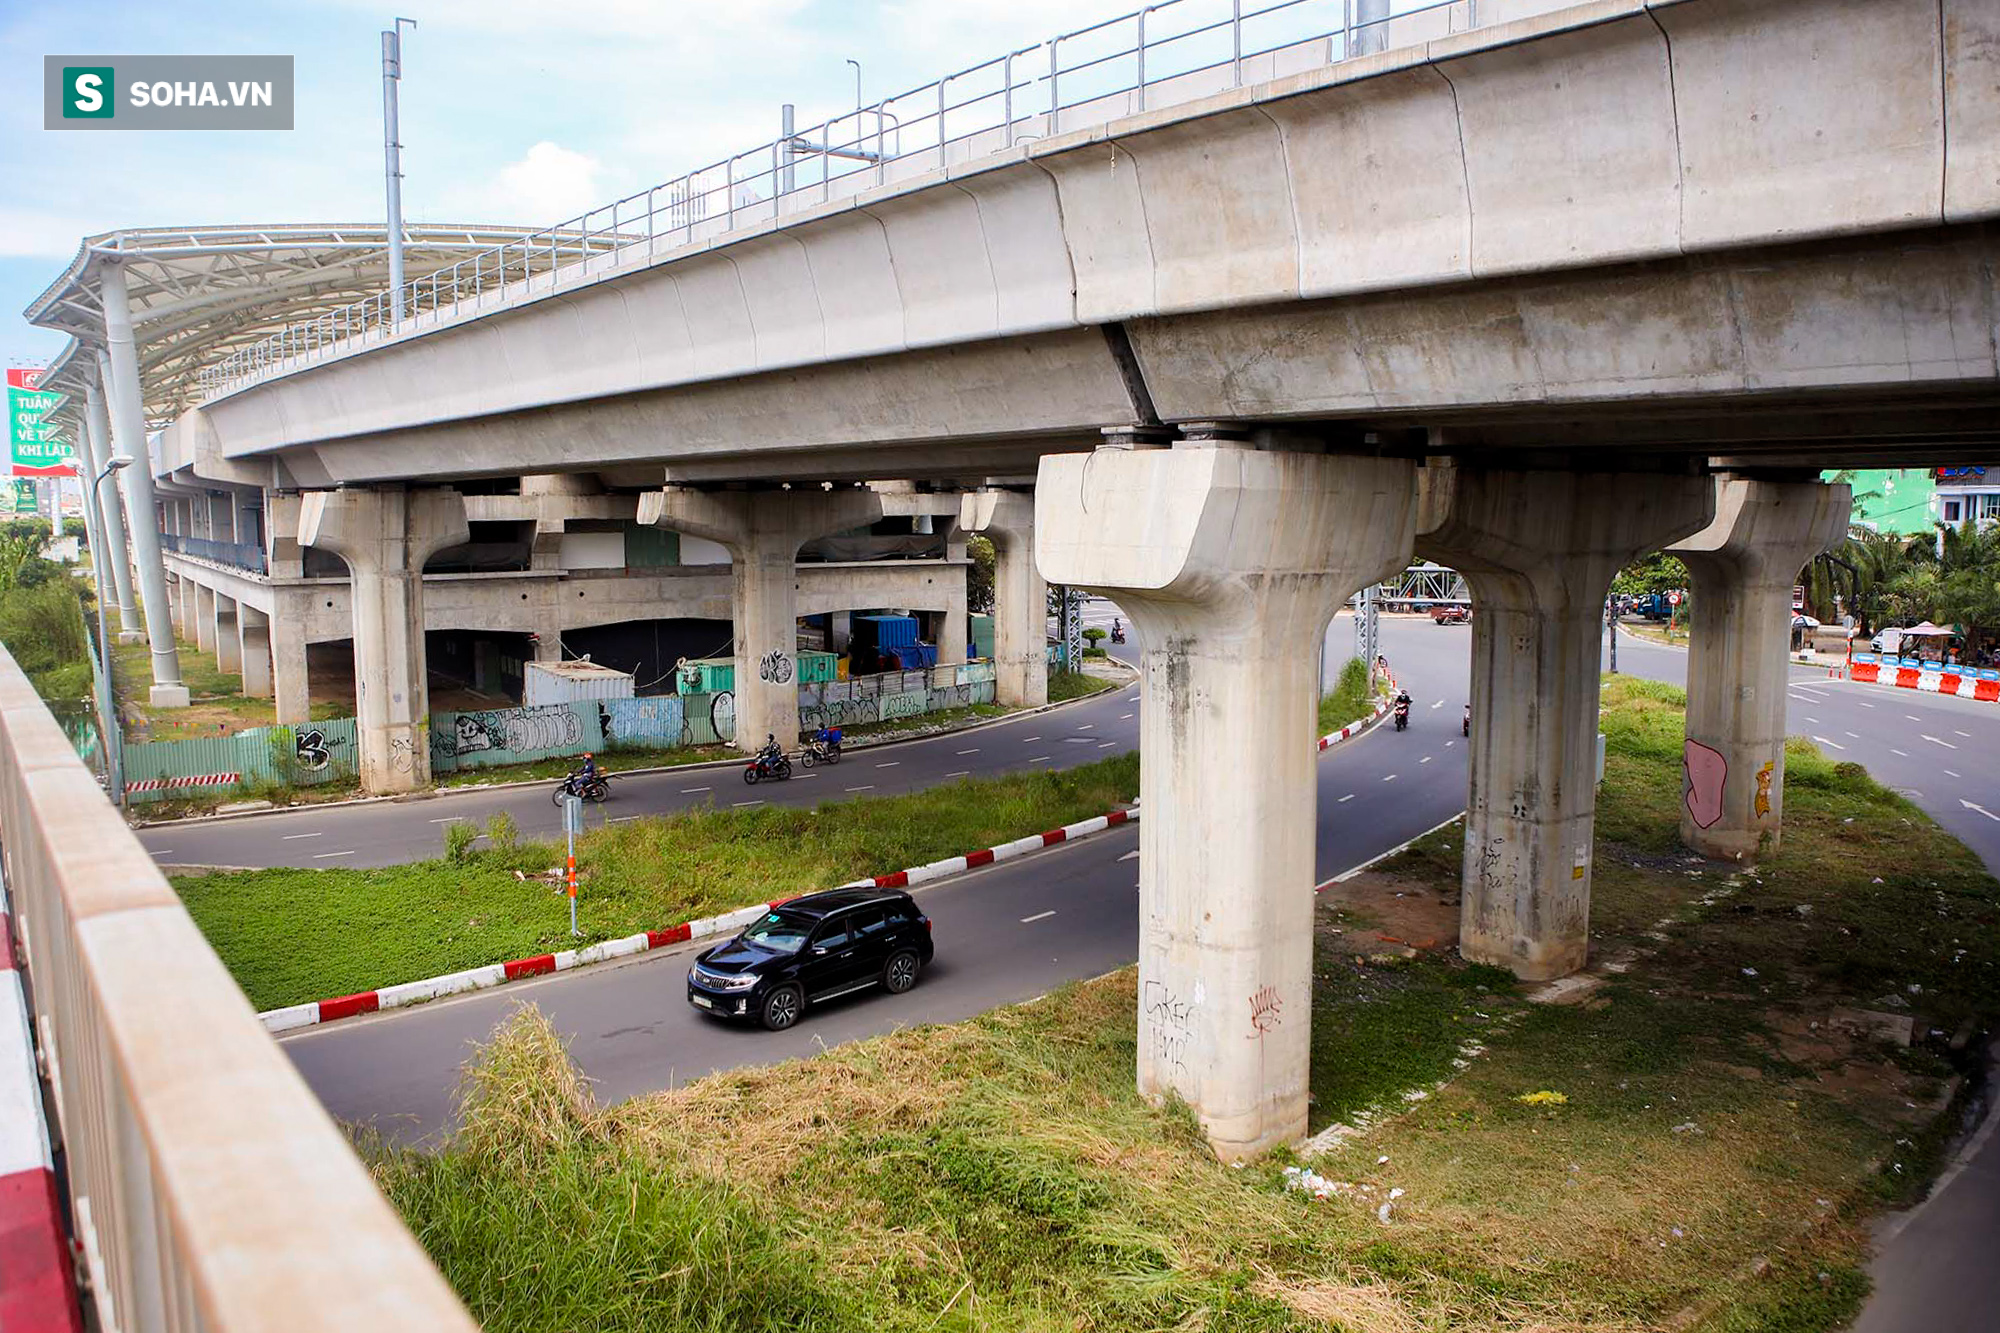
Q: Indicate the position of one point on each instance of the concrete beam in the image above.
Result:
(1230, 561)
(1539, 550)
(386, 537)
(1744, 565)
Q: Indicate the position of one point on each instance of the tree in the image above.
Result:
(1658, 572)
(979, 575)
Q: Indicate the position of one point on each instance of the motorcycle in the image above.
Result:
(820, 751)
(1117, 634)
(1466, 727)
(1402, 714)
(768, 767)
(596, 789)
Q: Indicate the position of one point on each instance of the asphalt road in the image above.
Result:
(1005, 933)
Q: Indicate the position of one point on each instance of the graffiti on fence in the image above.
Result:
(644, 723)
(310, 750)
(511, 735)
(907, 704)
(775, 667)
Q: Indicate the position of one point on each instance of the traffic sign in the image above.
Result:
(1673, 599)
(1798, 597)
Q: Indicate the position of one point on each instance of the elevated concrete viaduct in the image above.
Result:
(1512, 298)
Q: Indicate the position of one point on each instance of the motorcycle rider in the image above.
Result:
(771, 753)
(1117, 630)
(1402, 708)
(580, 781)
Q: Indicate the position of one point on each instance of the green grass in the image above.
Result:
(1001, 1173)
(1347, 702)
(291, 935)
(1067, 685)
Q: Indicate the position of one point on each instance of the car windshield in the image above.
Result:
(779, 932)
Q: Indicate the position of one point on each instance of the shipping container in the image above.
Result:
(886, 632)
(817, 668)
(708, 675)
(567, 682)
(982, 636)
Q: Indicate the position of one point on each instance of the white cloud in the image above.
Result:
(549, 184)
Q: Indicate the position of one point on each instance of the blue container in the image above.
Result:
(886, 632)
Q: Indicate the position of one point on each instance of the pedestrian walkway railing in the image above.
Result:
(1162, 55)
(237, 555)
(207, 1188)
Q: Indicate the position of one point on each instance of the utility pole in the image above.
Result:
(392, 161)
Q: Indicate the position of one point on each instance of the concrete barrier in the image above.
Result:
(208, 1187)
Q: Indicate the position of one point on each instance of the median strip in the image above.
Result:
(293, 1017)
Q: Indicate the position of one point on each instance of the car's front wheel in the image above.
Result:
(900, 972)
(782, 1008)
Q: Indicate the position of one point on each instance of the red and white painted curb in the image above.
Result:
(1359, 725)
(37, 1294)
(1965, 684)
(498, 974)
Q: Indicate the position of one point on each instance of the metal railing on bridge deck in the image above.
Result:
(237, 555)
(1162, 55)
(209, 1191)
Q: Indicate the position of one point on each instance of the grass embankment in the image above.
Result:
(1067, 685)
(1715, 1148)
(217, 707)
(290, 935)
(1348, 701)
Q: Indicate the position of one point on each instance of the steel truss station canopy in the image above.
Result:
(197, 294)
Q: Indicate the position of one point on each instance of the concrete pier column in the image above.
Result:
(228, 647)
(1539, 550)
(1744, 565)
(204, 618)
(291, 694)
(952, 631)
(282, 556)
(1020, 594)
(254, 651)
(116, 555)
(118, 380)
(763, 530)
(386, 536)
(1231, 562)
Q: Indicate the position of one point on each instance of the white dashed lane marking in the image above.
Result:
(690, 791)
(1039, 759)
(1390, 778)
(971, 751)
(294, 837)
(1904, 753)
(870, 787)
(741, 804)
(893, 763)
(1039, 916)
(1935, 741)
(1124, 717)
(1132, 855)
(1830, 744)
(328, 856)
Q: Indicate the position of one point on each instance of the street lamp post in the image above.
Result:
(107, 703)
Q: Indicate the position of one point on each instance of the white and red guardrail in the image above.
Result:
(498, 974)
(1982, 683)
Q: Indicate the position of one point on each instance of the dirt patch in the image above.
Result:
(1374, 912)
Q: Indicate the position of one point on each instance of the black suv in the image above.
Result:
(811, 949)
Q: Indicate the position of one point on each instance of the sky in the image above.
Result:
(513, 111)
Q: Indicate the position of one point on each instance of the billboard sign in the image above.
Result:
(34, 450)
